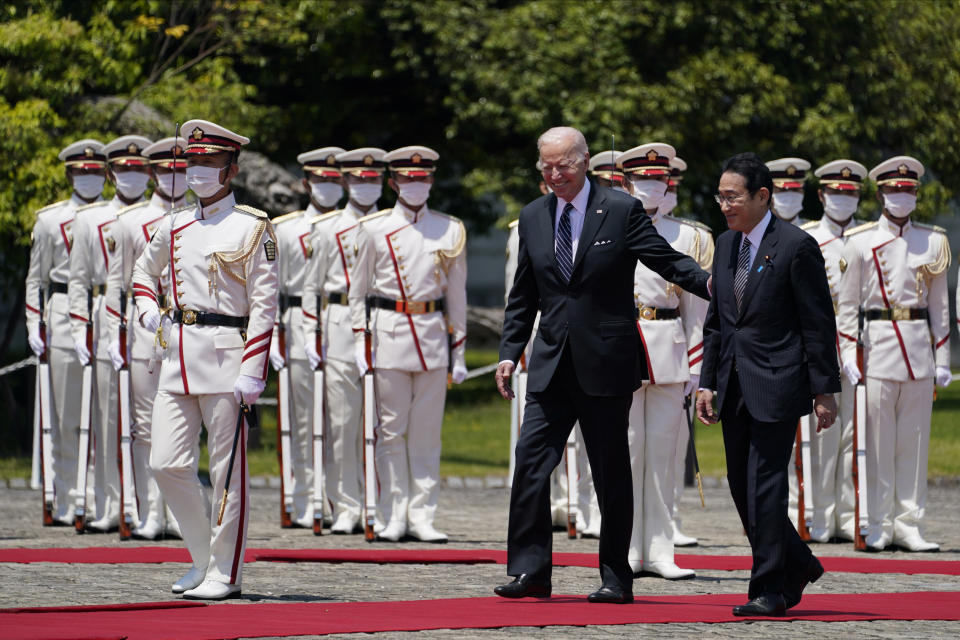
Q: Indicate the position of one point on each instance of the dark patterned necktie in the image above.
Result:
(743, 271)
(565, 244)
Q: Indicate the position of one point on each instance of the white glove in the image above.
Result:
(310, 348)
(943, 377)
(150, 320)
(360, 355)
(692, 385)
(852, 371)
(113, 349)
(248, 389)
(459, 373)
(276, 358)
(83, 355)
(36, 343)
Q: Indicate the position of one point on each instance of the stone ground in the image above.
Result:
(474, 517)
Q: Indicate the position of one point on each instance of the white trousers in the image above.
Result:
(652, 436)
(898, 439)
(343, 440)
(174, 457)
(143, 390)
(408, 444)
(106, 471)
(831, 458)
(65, 375)
(680, 465)
(301, 438)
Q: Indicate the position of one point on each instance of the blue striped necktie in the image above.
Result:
(565, 244)
(743, 271)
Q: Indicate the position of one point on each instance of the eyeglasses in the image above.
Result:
(563, 167)
(721, 199)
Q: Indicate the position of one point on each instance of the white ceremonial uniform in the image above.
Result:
(671, 345)
(136, 225)
(416, 257)
(330, 274)
(831, 450)
(95, 246)
(50, 267)
(224, 262)
(294, 251)
(897, 269)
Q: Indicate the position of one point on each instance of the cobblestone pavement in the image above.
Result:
(474, 518)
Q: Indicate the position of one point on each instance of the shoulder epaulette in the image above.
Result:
(863, 227)
(514, 224)
(374, 216)
(131, 207)
(253, 211)
(285, 217)
(93, 205)
(809, 225)
(51, 206)
(324, 216)
(691, 223)
(930, 227)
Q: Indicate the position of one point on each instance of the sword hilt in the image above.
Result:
(703, 503)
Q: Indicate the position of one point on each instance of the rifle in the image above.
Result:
(693, 449)
(86, 391)
(572, 492)
(283, 424)
(128, 496)
(802, 468)
(860, 443)
(369, 409)
(42, 411)
(318, 390)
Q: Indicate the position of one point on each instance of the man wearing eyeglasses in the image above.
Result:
(896, 277)
(769, 340)
(577, 253)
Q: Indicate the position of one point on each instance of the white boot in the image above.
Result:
(916, 543)
(191, 580)
(393, 531)
(668, 570)
(149, 530)
(213, 590)
(426, 533)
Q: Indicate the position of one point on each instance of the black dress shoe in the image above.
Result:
(768, 605)
(793, 589)
(524, 586)
(611, 595)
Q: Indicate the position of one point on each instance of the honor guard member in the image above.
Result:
(694, 355)
(897, 274)
(671, 326)
(831, 450)
(788, 175)
(330, 276)
(223, 292)
(95, 246)
(411, 273)
(47, 276)
(322, 181)
(135, 225)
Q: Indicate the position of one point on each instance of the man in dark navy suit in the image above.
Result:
(578, 250)
(769, 343)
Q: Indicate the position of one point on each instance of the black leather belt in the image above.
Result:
(405, 306)
(336, 298)
(645, 312)
(290, 301)
(58, 287)
(189, 316)
(897, 313)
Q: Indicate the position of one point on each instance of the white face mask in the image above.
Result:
(669, 202)
(840, 206)
(414, 193)
(204, 181)
(131, 184)
(326, 194)
(365, 193)
(166, 184)
(649, 192)
(788, 204)
(899, 204)
(88, 186)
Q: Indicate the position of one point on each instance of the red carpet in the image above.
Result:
(258, 620)
(121, 555)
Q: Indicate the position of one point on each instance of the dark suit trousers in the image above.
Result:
(757, 457)
(548, 418)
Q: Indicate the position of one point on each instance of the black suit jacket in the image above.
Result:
(782, 343)
(594, 314)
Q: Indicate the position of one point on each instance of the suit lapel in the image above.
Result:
(762, 263)
(546, 224)
(593, 219)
